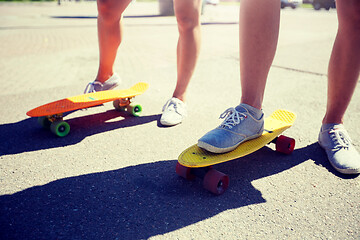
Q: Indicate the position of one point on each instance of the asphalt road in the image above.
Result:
(113, 176)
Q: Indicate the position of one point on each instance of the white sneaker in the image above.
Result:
(335, 140)
(109, 84)
(174, 112)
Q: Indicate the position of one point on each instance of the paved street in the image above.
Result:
(113, 176)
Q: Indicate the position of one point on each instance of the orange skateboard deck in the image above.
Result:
(195, 161)
(51, 114)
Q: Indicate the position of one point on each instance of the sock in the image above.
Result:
(256, 113)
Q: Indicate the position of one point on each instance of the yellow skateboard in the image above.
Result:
(195, 161)
(51, 115)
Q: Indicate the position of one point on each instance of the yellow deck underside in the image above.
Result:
(86, 100)
(279, 121)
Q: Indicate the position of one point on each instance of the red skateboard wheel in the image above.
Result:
(184, 172)
(216, 182)
(285, 144)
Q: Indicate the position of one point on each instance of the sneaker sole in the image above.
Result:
(213, 149)
(346, 170)
(340, 170)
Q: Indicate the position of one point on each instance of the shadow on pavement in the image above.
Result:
(144, 16)
(137, 202)
(27, 135)
(95, 17)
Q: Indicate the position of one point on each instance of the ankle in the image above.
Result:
(327, 120)
(104, 77)
(180, 97)
(253, 103)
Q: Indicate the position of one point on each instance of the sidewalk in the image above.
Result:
(113, 176)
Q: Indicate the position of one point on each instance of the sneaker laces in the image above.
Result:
(172, 106)
(91, 86)
(340, 138)
(232, 118)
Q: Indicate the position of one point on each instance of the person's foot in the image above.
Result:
(109, 84)
(335, 140)
(174, 112)
(241, 124)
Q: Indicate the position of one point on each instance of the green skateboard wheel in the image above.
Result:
(60, 128)
(134, 109)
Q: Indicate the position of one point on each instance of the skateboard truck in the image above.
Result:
(125, 104)
(56, 124)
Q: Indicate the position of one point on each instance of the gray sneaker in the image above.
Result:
(241, 124)
(335, 140)
(109, 84)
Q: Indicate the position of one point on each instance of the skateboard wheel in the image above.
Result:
(117, 106)
(285, 144)
(184, 172)
(60, 128)
(216, 182)
(134, 109)
(44, 122)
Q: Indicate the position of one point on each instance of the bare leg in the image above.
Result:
(188, 48)
(343, 74)
(188, 18)
(109, 34)
(344, 65)
(259, 30)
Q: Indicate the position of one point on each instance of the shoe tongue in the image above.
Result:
(177, 101)
(174, 100)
